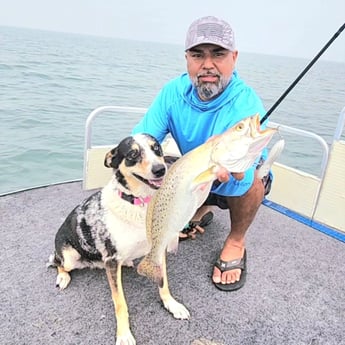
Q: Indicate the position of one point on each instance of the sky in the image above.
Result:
(297, 28)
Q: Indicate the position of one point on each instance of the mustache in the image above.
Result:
(208, 74)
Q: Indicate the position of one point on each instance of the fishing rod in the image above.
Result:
(293, 84)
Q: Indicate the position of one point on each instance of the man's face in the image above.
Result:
(210, 68)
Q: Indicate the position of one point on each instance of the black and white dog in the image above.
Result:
(107, 230)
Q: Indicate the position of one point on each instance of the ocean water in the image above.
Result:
(50, 82)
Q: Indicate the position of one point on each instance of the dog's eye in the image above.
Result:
(156, 148)
(133, 154)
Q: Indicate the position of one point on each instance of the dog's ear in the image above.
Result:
(112, 158)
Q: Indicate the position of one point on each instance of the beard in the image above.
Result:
(208, 90)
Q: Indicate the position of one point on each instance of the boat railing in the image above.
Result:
(306, 134)
(320, 199)
(293, 188)
(95, 175)
(330, 204)
(340, 125)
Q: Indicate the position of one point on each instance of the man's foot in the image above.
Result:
(230, 270)
(201, 219)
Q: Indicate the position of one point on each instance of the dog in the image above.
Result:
(107, 230)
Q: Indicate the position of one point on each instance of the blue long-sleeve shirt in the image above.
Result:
(178, 110)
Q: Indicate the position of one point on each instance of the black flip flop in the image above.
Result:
(189, 228)
(205, 220)
(225, 266)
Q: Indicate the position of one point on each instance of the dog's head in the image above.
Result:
(138, 163)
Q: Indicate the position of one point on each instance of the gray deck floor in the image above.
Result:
(294, 294)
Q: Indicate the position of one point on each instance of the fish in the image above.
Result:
(188, 183)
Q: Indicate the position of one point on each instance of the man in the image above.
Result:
(200, 104)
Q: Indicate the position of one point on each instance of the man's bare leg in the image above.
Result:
(242, 213)
(201, 212)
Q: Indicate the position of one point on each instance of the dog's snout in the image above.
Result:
(158, 170)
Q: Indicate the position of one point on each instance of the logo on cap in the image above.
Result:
(210, 30)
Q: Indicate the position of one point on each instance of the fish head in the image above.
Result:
(237, 149)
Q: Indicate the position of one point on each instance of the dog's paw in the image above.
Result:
(177, 309)
(62, 280)
(126, 339)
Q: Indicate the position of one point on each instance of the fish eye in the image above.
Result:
(240, 126)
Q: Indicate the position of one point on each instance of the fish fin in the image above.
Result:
(173, 245)
(151, 270)
(205, 177)
(274, 153)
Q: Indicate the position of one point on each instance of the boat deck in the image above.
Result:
(294, 292)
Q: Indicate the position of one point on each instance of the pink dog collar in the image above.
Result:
(134, 200)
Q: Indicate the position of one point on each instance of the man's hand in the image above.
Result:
(223, 175)
(238, 176)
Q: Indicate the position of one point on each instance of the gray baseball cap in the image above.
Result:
(210, 30)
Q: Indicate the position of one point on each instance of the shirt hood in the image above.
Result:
(190, 94)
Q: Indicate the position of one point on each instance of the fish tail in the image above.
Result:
(151, 270)
(276, 150)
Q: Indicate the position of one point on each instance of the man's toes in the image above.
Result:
(230, 277)
(216, 276)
